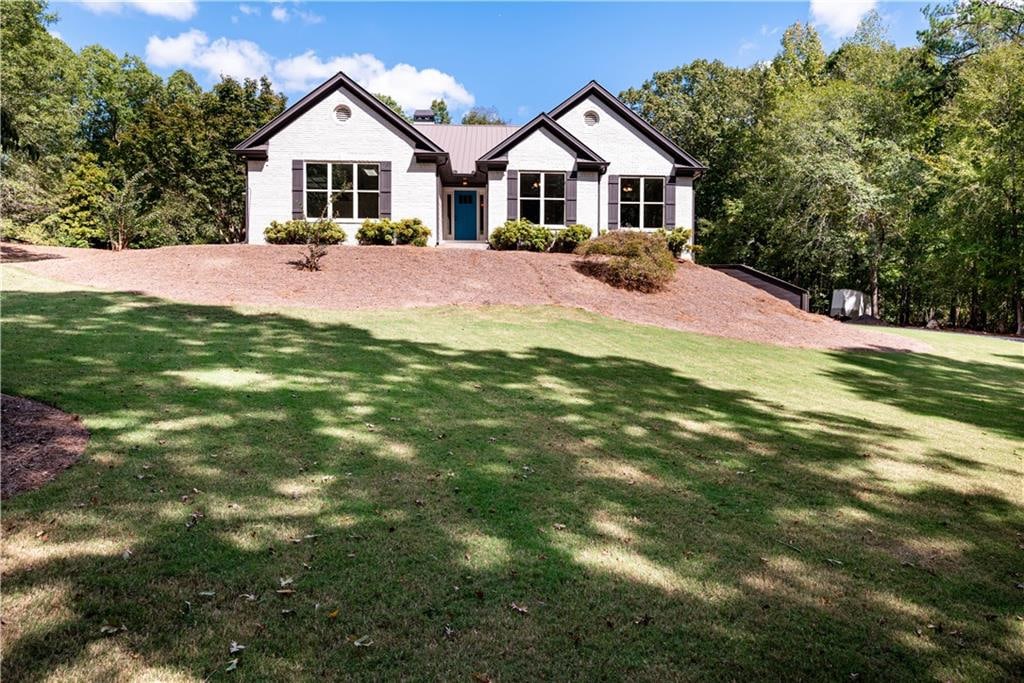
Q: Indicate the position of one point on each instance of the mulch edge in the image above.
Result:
(38, 443)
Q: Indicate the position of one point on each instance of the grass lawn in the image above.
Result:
(660, 505)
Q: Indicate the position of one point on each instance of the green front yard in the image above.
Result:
(506, 494)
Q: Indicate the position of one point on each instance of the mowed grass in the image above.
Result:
(656, 505)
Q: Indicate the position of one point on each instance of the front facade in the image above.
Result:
(341, 154)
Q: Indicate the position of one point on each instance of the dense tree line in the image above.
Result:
(892, 170)
(896, 171)
(99, 151)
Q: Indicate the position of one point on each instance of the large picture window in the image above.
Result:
(352, 189)
(642, 202)
(542, 198)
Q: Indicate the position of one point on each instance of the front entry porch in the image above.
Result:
(464, 216)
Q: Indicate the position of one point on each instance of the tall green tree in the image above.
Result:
(981, 168)
(41, 84)
(115, 92)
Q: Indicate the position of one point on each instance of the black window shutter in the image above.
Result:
(297, 189)
(613, 202)
(570, 199)
(513, 195)
(384, 199)
(670, 202)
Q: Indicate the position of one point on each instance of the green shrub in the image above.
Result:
(570, 237)
(379, 231)
(521, 235)
(301, 232)
(678, 240)
(636, 260)
(411, 231)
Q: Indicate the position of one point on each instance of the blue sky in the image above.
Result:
(520, 58)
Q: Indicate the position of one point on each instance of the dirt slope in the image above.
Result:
(698, 300)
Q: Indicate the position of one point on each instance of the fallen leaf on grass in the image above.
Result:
(333, 614)
(363, 642)
(232, 665)
(126, 554)
(285, 581)
(284, 591)
(108, 630)
(235, 648)
(207, 594)
(193, 519)
(248, 596)
(520, 608)
(287, 612)
(559, 527)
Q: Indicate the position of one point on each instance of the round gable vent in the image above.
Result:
(591, 118)
(342, 113)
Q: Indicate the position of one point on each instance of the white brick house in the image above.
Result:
(590, 160)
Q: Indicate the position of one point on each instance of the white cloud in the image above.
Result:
(249, 10)
(172, 9)
(840, 17)
(411, 87)
(55, 34)
(224, 56)
(283, 14)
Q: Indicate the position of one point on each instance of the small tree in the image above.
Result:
(320, 234)
(315, 247)
(124, 216)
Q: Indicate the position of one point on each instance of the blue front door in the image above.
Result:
(465, 215)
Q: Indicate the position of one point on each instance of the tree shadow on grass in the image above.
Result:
(650, 525)
(985, 395)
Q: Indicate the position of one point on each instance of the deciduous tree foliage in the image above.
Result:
(78, 128)
(892, 170)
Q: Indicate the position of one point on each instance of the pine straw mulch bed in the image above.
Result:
(697, 300)
(38, 443)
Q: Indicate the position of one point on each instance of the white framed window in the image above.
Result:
(352, 188)
(542, 197)
(642, 202)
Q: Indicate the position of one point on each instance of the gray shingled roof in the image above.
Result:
(465, 144)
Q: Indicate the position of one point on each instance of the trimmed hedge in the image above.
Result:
(376, 232)
(302, 232)
(570, 237)
(387, 232)
(412, 231)
(521, 235)
(636, 260)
